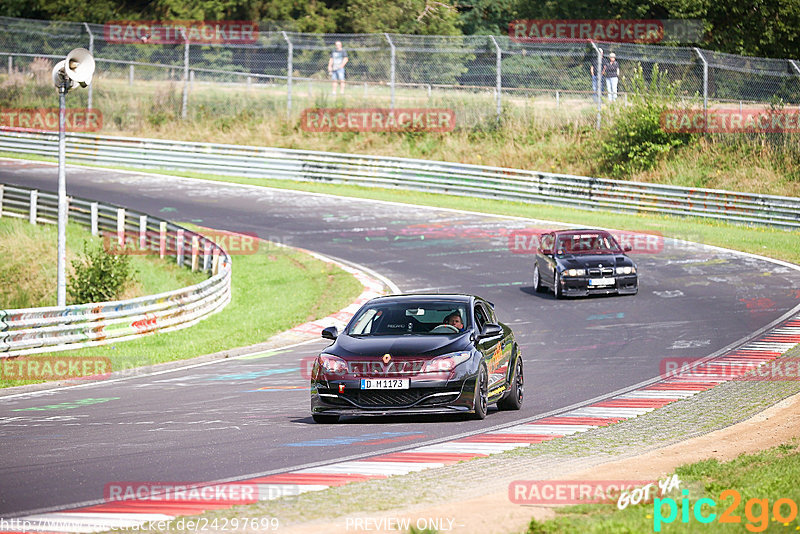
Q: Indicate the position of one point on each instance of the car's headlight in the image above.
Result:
(575, 272)
(331, 364)
(626, 270)
(446, 363)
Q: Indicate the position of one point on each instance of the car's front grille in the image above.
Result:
(605, 271)
(403, 397)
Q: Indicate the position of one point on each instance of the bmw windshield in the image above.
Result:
(587, 243)
(410, 319)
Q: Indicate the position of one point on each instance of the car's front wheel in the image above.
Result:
(557, 285)
(537, 279)
(513, 400)
(480, 403)
(325, 418)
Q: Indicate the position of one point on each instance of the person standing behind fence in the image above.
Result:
(336, 65)
(595, 78)
(611, 73)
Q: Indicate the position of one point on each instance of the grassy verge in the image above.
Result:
(764, 477)
(259, 308)
(770, 242)
(534, 133)
(28, 265)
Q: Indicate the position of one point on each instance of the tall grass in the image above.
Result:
(533, 133)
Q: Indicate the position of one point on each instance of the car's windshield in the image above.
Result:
(587, 243)
(410, 318)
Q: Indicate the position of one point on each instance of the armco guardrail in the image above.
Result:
(38, 330)
(422, 175)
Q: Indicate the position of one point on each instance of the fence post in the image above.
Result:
(215, 261)
(705, 83)
(162, 239)
(130, 75)
(91, 51)
(142, 232)
(93, 217)
(185, 99)
(33, 208)
(179, 248)
(558, 98)
(10, 64)
(499, 76)
(191, 80)
(2, 186)
(392, 66)
(206, 255)
(598, 70)
(289, 72)
(792, 62)
(121, 226)
(195, 252)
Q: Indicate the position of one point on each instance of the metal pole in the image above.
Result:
(130, 75)
(91, 51)
(61, 280)
(792, 62)
(705, 84)
(498, 70)
(289, 70)
(392, 70)
(185, 102)
(10, 64)
(599, 73)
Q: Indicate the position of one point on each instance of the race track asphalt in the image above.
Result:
(235, 418)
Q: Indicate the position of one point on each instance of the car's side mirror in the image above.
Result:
(627, 248)
(330, 333)
(490, 330)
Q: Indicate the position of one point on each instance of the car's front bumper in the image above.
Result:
(580, 286)
(424, 397)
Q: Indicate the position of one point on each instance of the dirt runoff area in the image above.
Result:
(495, 514)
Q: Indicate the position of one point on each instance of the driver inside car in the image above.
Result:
(454, 319)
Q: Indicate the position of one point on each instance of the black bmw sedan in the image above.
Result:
(418, 354)
(583, 262)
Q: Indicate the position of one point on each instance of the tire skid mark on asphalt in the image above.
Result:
(764, 349)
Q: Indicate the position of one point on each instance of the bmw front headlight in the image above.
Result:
(627, 269)
(575, 272)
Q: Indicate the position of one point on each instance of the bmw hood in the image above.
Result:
(584, 261)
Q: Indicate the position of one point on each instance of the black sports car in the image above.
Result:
(584, 262)
(415, 354)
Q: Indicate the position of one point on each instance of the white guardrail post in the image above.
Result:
(49, 329)
(419, 175)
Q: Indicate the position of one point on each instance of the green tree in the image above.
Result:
(421, 17)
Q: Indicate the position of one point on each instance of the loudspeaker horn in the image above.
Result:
(59, 76)
(80, 66)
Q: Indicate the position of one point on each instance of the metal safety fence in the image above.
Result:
(54, 328)
(480, 76)
(420, 175)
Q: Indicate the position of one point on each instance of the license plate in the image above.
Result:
(385, 383)
(601, 281)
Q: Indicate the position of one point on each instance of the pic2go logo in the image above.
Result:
(755, 510)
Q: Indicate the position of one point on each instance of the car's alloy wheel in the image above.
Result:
(481, 401)
(537, 279)
(325, 418)
(513, 401)
(557, 285)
